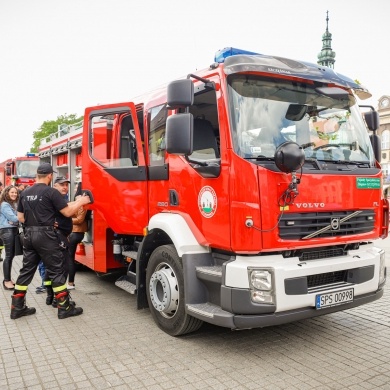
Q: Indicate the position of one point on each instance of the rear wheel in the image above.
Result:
(165, 292)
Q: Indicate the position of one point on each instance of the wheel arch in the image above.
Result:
(163, 229)
(184, 235)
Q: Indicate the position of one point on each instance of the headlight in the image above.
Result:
(261, 280)
(382, 268)
(262, 297)
(261, 286)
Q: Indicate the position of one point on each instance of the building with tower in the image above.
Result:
(327, 56)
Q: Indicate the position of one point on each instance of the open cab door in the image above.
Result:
(114, 173)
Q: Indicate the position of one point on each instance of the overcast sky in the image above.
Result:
(58, 57)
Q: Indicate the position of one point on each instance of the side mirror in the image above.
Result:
(289, 157)
(180, 94)
(179, 134)
(372, 120)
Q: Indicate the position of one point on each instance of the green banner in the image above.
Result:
(368, 183)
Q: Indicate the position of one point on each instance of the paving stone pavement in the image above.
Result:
(114, 346)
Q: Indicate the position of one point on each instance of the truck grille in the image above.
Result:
(326, 279)
(321, 254)
(296, 226)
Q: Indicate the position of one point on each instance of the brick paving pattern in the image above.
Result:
(114, 346)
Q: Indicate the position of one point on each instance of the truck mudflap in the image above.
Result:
(213, 314)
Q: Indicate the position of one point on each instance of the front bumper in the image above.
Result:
(215, 315)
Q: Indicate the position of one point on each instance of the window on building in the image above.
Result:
(386, 171)
(386, 139)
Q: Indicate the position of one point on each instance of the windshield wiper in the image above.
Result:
(314, 161)
(260, 158)
(349, 165)
(346, 162)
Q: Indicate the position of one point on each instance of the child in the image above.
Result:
(41, 269)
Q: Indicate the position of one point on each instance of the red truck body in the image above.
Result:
(246, 195)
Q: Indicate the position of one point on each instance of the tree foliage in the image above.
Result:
(53, 126)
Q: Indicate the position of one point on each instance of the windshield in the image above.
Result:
(27, 168)
(268, 112)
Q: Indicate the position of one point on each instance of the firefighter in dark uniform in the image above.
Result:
(64, 225)
(37, 209)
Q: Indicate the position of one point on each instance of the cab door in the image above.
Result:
(114, 166)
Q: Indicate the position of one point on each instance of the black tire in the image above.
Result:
(165, 292)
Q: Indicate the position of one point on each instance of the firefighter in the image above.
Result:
(38, 207)
(64, 224)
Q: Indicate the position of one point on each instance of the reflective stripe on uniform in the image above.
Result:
(20, 288)
(59, 288)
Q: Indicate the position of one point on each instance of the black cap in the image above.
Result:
(45, 169)
(61, 179)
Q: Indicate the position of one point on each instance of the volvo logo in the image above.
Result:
(335, 223)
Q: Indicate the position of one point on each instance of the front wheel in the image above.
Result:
(165, 292)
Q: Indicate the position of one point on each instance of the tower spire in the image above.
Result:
(327, 56)
(327, 21)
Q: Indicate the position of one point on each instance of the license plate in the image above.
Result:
(334, 298)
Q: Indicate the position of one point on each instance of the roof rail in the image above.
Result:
(63, 129)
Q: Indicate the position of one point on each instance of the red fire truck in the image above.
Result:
(247, 194)
(19, 170)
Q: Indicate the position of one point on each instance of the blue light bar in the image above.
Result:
(228, 52)
(30, 154)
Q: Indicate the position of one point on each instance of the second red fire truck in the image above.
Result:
(19, 170)
(245, 195)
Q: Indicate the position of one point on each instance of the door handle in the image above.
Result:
(89, 193)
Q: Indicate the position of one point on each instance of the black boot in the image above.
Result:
(65, 307)
(19, 308)
(54, 303)
(50, 296)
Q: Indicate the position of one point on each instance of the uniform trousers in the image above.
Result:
(50, 245)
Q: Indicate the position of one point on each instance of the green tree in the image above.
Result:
(51, 127)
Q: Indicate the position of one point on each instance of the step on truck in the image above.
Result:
(247, 194)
